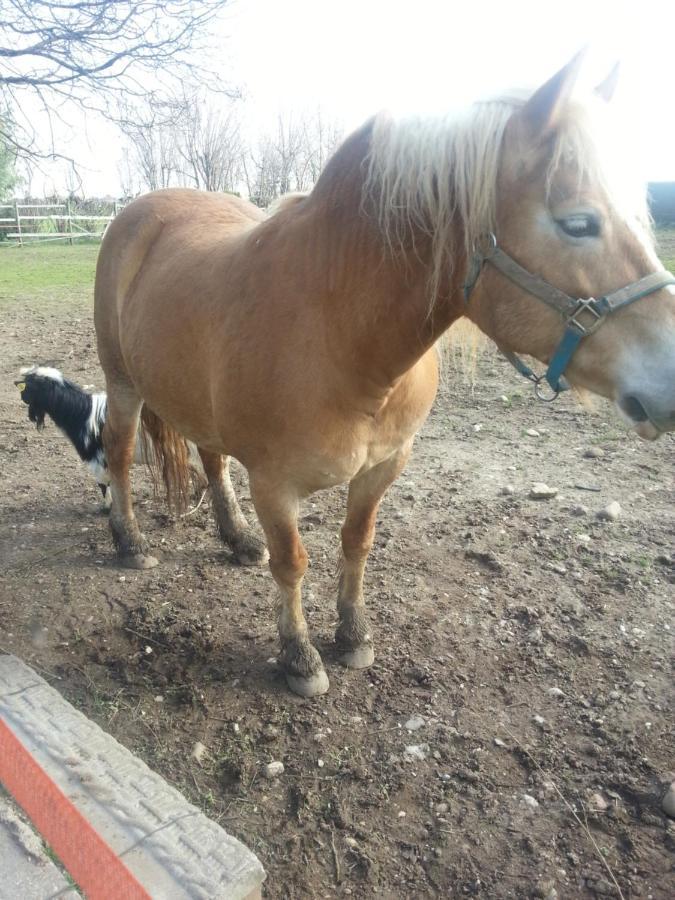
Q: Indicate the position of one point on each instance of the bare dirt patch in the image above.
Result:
(512, 738)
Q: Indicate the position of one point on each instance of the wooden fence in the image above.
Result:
(27, 222)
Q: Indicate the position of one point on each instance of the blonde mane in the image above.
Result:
(410, 161)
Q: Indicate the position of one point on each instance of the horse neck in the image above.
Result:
(378, 299)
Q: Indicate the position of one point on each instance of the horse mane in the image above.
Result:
(410, 159)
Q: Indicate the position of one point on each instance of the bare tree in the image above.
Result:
(290, 158)
(126, 170)
(184, 141)
(153, 130)
(322, 138)
(211, 146)
(92, 51)
(8, 174)
(261, 173)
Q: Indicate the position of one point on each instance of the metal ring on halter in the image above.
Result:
(486, 245)
(538, 390)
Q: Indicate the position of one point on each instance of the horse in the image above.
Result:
(304, 343)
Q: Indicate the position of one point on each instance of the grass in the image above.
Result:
(46, 274)
(665, 240)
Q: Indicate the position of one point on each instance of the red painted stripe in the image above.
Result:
(94, 866)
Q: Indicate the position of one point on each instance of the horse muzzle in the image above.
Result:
(648, 417)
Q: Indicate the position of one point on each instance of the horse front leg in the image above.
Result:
(277, 511)
(353, 635)
(248, 547)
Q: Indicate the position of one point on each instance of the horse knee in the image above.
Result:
(357, 542)
(290, 567)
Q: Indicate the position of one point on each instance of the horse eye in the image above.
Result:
(580, 226)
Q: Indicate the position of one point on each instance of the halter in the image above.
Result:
(571, 309)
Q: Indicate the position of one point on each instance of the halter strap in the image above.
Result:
(570, 308)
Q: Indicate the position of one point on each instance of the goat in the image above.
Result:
(81, 417)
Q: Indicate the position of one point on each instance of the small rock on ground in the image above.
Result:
(541, 491)
(668, 802)
(273, 769)
(598, 802)
(414, 723)
(416, 751)
(611, 512)
(198, 751)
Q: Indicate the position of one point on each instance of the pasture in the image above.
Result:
(513, 737)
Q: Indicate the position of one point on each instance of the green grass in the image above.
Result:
(47, 274)
(665, 239)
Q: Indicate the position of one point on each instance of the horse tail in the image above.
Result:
(167, 455)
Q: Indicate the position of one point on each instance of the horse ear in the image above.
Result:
(606, 88)
(542, 110)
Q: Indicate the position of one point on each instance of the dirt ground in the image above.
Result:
(513, 738)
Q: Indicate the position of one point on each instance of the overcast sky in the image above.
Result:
(354, 57)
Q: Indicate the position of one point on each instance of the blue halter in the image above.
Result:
(570, 308)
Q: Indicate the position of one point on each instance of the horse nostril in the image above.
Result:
(633, 408)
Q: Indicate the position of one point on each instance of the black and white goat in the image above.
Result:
(81, 417)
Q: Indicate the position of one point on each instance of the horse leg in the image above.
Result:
(119, 439)
(353, 634)
(248, 548)
(300, 661)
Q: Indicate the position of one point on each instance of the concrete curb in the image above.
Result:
(172, 848)
(26, 869)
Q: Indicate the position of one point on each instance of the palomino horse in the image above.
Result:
(302, 343)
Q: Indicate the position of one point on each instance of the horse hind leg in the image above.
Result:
(119, 439)
(353, 635)
(248, 548)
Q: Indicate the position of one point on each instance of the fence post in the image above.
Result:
(18, 221)
(70, 222)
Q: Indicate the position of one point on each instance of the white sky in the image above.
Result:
(353, 57)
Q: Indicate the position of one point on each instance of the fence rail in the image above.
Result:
(23, 225)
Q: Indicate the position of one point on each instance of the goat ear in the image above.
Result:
(607, 87)
(541, 113)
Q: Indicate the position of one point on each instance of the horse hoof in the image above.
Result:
(358, 657)
(248, 557)
(308, 687)
(251, 551)
(138, 561)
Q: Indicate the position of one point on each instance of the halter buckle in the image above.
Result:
(583, 306)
